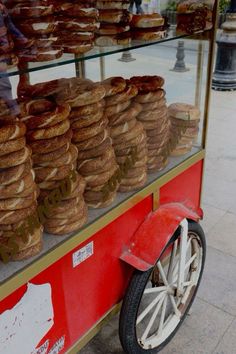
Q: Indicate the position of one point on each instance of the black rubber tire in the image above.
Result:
(130, 306)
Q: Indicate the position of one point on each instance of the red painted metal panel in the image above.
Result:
(82, 295)
(98, 283)
(12, 299)
(185, 188)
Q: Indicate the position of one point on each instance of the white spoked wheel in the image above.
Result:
(158, 300)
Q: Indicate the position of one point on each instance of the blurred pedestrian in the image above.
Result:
(138, 5)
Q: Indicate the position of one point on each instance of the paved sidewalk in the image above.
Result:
(211, 327)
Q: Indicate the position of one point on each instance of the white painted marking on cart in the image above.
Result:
(24, 326)
(82, 254)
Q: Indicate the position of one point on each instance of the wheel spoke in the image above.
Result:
(190, 261)
(154, 315)
(189, 243)
(187, 283)
(183, 254)
(154, 290)
(172, 259)
(172, 299)
(150, 306)
(163, 313)
(176, 266)
(175, 273)
(161, 270)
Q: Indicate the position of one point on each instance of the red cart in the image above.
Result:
(144, 255)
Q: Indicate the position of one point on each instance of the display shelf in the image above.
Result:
(97, 52)
(15, 274)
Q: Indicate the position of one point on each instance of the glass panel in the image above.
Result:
(187, 86)
(94, 53)
(44, 35)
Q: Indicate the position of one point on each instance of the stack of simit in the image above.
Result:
(96, 159)
(128, 135)
(37, 22)
(77, 22)
(54, 157)
(154, 118)
(147, 27)
(18, 191)
(114, 23)
(184, 120)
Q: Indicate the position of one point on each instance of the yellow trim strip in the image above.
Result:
(21, 278)
(211, 57)
(94, 330)
(156, 199)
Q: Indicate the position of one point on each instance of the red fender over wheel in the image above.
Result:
(154, 233)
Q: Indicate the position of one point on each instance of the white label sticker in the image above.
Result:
(82, 254)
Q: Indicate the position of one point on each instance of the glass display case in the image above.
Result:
(46, 95)
(151, 58)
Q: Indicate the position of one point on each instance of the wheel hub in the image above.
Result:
(171, 290)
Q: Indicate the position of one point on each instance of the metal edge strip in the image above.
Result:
(22, 277)
(155, 199)
(210, 65)
(94, 330)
